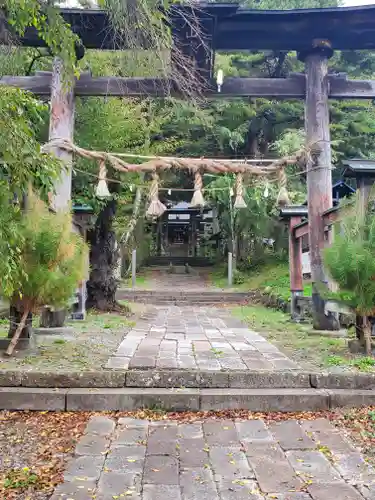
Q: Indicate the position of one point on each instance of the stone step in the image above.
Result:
(192, 297)
(127, 399)
(187, 378)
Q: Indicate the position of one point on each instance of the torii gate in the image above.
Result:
(313, 33)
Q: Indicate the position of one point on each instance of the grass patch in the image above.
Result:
(271, 278)
(311, 351)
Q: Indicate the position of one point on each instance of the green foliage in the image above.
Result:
(21, 159)
(238, 277)
(350, 259)
(50, 26)
(49, 259)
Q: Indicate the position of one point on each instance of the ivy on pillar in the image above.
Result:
(319, 170)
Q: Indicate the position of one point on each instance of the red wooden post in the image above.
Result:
(295, 266)
(319, 176)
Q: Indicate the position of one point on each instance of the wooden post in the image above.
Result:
(319, 176)
(62, 127)
(230, 269)
(134, 267)
(295, 267)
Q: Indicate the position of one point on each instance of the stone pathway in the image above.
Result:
(215, 460)
(198, 338)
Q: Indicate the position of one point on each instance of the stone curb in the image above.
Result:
(126, 399)
(164, 378)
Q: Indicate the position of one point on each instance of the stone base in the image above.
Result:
(59, 330)
(355, 347)
(342, 334)
(127, 399)
(22, 344)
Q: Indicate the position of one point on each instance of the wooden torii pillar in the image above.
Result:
(61, 126)
(319, 166)
(293, 214)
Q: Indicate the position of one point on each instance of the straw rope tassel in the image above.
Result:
(197, 199)
(283, 197)
(102, 187)
(156, 208)
(239, 201)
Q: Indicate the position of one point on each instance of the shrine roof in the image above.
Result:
(235, 28)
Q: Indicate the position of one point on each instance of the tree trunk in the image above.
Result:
(102, 285)
(367, 327)
(15, 316)
(18, 332)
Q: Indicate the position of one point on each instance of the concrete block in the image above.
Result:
(20, 398)
(73, 379)
(10, 378)
(351, 398)
(176, 378)
(265, 399)
(132, 399)
(364, 381)
(268, 380)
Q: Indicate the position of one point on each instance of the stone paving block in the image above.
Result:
(317, 425)
(333, 440)
(367, 491)
(142, 362)
(190, 431)
(264, 399)
(118, 363)
(87, 468)
(272, 469)
(220, 433)
(79, 490)
(207, 364)
(290, 436)
(129, 459)
(284, 364)
(258, 364)
(161, 469)
(164, 362)
(113, 484)
(339, 490)
(268, 380)
(92, 444)
(125, 436)
(312, 465)
(161, 492)
(198, 484)
(289, 496)
(232, 364)
(163, 440)
(24, 398)
(253, 430)
(353, 468)
(102, 426)
(133, 423)
(241, 490)
(186, 362)
(10, 378)
(230, 463)
(193, 453)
